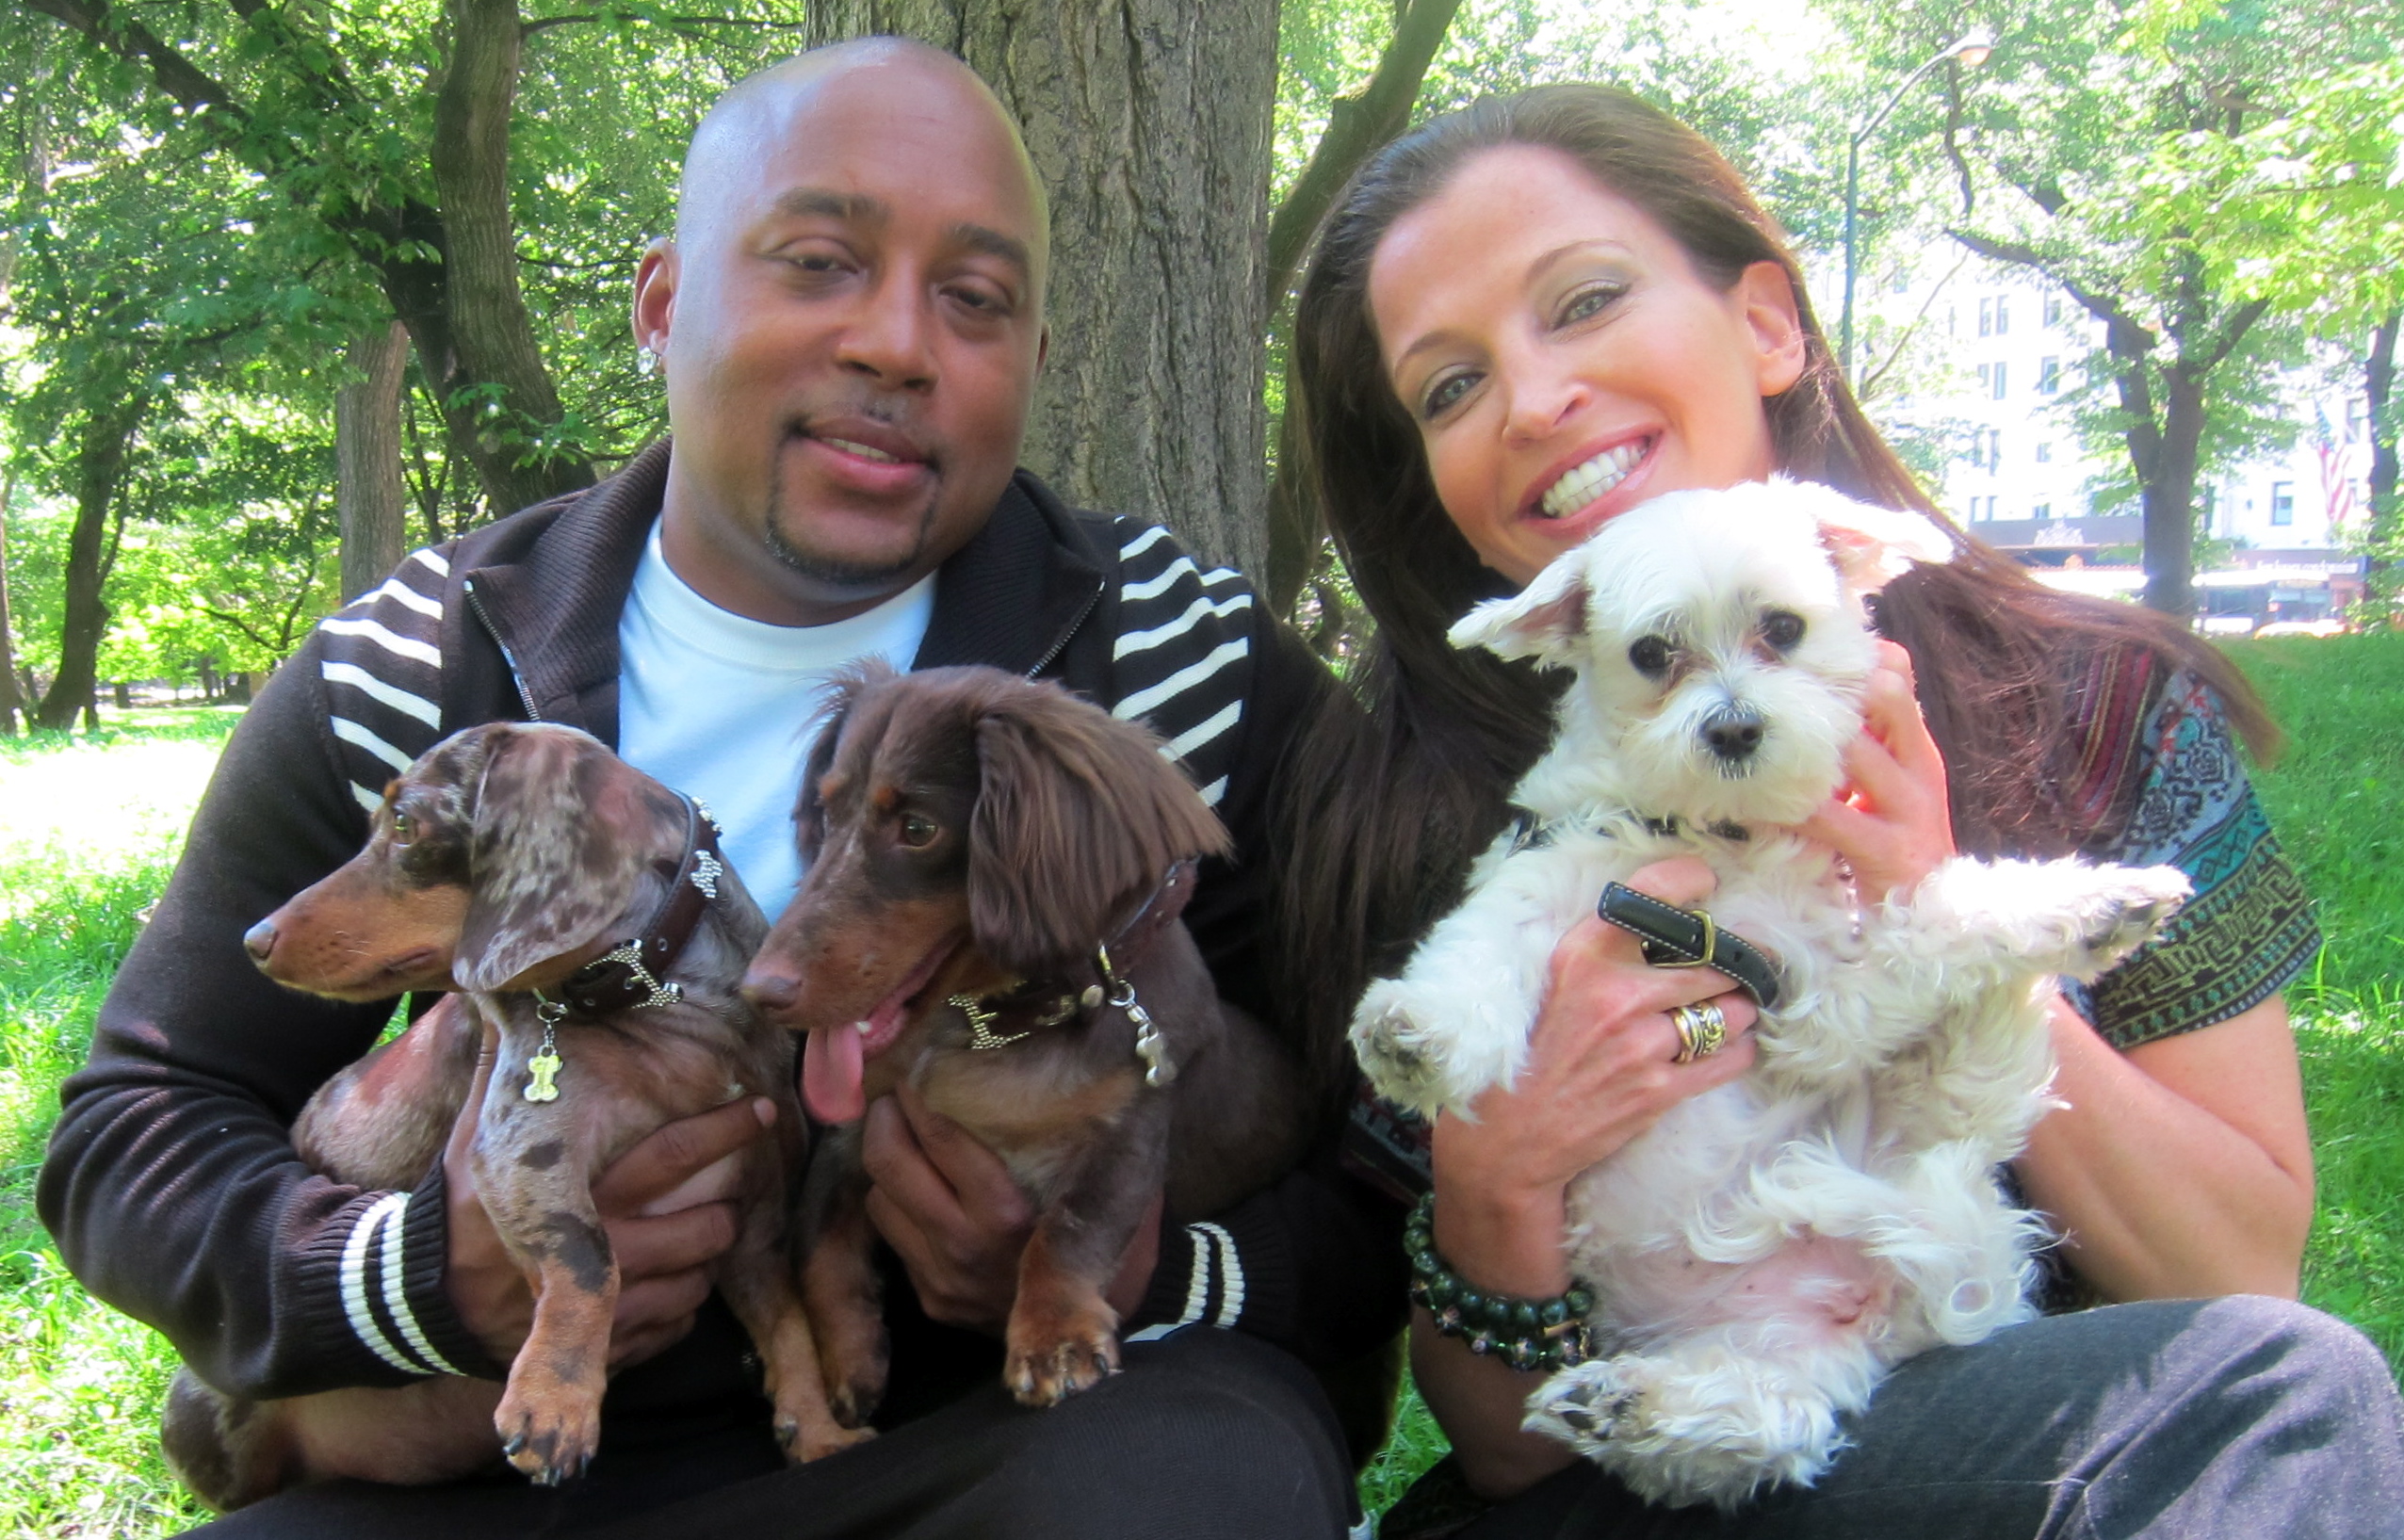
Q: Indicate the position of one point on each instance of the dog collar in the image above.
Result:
(1050, 1002)
(1532, 832)
(630, 975)
(1681, 938)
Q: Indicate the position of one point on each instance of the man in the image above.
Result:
(849, 322)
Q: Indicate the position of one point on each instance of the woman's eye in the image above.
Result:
(1589, 303)
(918, 831)
(1651, 655)
(1444, 393)
(1782, 629)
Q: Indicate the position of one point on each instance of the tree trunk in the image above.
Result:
(2170, 499)
(366, 436)
(10, 701)
(1149, 123)
(2386, 511)
(100, 468)
(489, 327)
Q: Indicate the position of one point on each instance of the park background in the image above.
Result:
(289, 286)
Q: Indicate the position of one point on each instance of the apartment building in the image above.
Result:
(2005, 347)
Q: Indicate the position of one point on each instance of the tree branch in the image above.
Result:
(582, 18)
(129, 40)
(1357, 126)
(2231, 333)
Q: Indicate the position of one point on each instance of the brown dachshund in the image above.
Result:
(991, 915)
(600, 938)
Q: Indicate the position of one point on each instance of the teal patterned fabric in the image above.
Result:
(2248, 928)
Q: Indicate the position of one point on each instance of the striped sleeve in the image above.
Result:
(383, 1260)
(1182, 655)
(381, 665)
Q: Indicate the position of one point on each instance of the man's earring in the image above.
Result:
(644, 359)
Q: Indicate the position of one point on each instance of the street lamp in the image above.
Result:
(1971, 48)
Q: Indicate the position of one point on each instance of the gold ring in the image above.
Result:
(1702, 1030)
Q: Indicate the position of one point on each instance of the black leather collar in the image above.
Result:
(632, 973)
(1056, 999)
(1680, 938)
(1531, 833)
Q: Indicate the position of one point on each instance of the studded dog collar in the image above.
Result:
(631, 974)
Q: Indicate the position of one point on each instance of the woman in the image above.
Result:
(1532, 315)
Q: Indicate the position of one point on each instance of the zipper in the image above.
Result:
(1060, 642)
(526, 697)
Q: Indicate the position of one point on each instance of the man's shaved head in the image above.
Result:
(762, 109)
(850, 320)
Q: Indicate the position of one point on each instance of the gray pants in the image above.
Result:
(2249, 1418)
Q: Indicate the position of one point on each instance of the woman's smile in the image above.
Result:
(1564, 360)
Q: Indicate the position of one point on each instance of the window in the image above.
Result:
(2003, 315)
(2044, 454)
(2053, 309)
(2283, 502)
(2042, 510)
(1999, 381)
(1986, 318)
(2049, 376)
(1994, 449)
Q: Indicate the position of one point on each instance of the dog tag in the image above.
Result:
(542, 1067)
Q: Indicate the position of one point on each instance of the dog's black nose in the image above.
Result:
(1732, 734)
(259, 940)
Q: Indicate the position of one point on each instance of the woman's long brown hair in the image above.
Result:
(1401, 782)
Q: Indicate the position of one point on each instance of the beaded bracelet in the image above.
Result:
(1525, 1334)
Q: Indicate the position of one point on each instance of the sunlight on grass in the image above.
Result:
(88, 830)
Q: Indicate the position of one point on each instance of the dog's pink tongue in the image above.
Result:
(831, 1060)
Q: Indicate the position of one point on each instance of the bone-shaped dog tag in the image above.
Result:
(541, 1068)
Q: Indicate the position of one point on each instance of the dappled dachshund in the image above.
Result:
(599, 937)
(997, 869)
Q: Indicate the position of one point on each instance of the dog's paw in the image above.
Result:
(805, 1441)
(1420, 1052)
(1582, 1406)
(1047, 1362)
(548, 1433)
(2125, 911)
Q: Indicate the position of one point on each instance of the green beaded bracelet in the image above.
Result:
(1525, 1334)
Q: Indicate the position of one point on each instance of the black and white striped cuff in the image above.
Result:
(374, 1280)
(1214, 1284)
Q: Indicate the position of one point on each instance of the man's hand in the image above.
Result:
(953, 1212)
(666, 1204)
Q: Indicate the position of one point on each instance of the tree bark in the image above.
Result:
(367, 437)
(490, 331)
(1148, 121)
(101, 454)
(2386, 511)
(2170, 498)
(11, 702)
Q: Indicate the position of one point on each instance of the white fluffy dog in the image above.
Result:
(1764, 1254)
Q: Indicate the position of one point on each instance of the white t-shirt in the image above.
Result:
(724, 707)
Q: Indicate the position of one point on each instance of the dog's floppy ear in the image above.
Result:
(1078, 817)
(843, 691)
(1545, 620)
(1872, 546)
(560, 835)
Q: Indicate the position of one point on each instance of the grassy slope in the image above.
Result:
(88, 829)
(2337, 797)
(86, 832)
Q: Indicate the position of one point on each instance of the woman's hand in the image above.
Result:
(667, 1205)
(1601, 1070)
(1892, 822)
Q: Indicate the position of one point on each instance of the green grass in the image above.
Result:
(88, 825)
